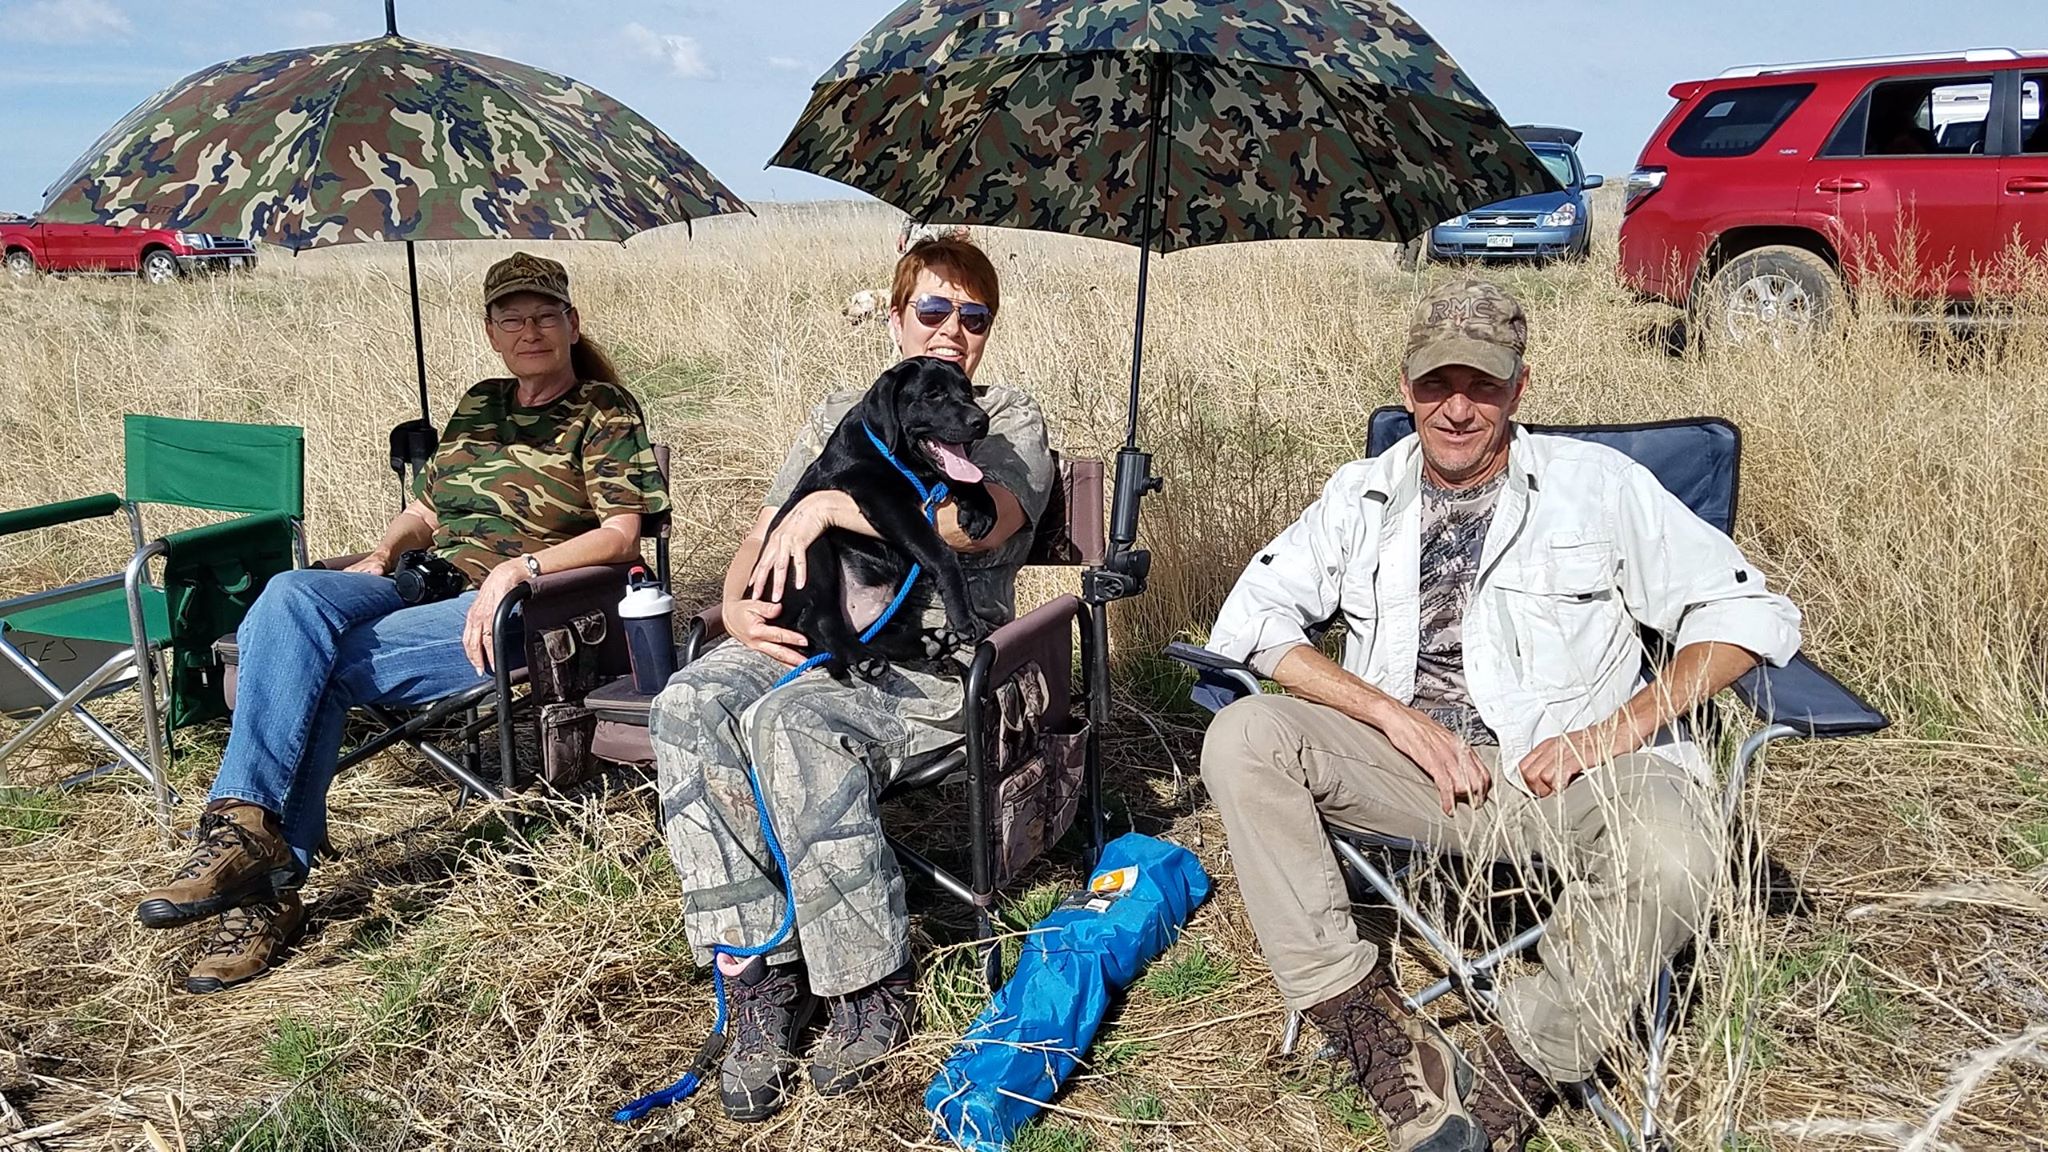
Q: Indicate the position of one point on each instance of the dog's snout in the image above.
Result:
(978, 423)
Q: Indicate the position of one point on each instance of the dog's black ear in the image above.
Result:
(882, 406)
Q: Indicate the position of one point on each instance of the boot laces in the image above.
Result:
(241, 927)
(868, 1012)
(217, 835)
(760, 1013)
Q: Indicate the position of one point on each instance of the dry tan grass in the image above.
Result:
(466, 984)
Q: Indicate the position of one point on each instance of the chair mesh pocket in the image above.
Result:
(1040, 761)
(564, 661)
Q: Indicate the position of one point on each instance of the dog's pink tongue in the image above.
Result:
(953, 461)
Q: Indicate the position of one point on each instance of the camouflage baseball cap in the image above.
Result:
(1469, 322)
(523, 272)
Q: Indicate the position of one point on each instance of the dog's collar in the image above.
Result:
(927, 497)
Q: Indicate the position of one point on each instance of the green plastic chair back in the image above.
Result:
(246, 468)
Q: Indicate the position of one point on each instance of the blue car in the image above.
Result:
(1549, 226)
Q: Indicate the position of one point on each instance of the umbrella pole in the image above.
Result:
(1125, 569)
(419, 339)
(414, 441)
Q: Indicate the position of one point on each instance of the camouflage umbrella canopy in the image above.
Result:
(1162, 123)
(386, 139)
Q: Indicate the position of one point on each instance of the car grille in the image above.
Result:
(1503, 220)
(227, 244)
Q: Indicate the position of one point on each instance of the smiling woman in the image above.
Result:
(548, 470)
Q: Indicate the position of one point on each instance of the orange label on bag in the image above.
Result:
(1114, 883)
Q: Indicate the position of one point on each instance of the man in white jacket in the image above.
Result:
(1493, 585)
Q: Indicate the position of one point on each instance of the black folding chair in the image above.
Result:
(1699, 461)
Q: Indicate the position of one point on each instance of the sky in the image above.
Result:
(727, 78)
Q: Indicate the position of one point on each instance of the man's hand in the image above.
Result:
(1556, 762)
(375, 564)
(476, 628)
(747, 621)
(782, 563)
(1450, 762)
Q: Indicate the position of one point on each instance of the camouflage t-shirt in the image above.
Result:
(509, 480)
(1454, 524)
(1015, 454)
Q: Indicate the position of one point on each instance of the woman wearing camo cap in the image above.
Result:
(546, 469)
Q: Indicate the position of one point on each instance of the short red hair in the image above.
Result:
(957, 260)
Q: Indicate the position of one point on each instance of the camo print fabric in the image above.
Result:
(510, 480)
(1315, 118)
(386, 139)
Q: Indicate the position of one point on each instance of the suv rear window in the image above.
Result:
(1736, 121)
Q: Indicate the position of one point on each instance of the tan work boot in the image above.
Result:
(241, 857)
(247, 943)
(1512, 1097)
(1416, 1078)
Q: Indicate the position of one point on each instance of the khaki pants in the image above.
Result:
(1635, 844)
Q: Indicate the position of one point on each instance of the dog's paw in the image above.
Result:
(871, 668)
(976, 511)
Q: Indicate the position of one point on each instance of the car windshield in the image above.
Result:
(1560, 165)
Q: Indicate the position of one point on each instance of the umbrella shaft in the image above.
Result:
(1157, 96)
(419, 339)
(391, 17)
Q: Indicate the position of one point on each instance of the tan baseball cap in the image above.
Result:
(1469, 322)
(524, 272)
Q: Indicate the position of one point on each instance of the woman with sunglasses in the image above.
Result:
(545, 469)
(823, 751)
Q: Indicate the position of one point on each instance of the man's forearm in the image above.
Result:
(1696, 673)
(406, 531)
(1312, 676)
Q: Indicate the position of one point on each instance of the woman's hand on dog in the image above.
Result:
(747, 621)
(782, 563)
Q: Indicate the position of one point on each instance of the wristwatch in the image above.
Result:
(532, 566)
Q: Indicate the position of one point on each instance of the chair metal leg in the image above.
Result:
(153, 718)
(1476, 982)
(1660, 1046)
(1095, 681)
(66, 704)
(105, 735)
(1290, 1035)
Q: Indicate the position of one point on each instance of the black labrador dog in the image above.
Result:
(924, 412)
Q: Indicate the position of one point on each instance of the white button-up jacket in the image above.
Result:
(1585, 546)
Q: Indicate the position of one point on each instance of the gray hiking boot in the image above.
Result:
(765, 1010)
(865, 1027)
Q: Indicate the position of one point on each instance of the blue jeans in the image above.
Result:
(314, 645)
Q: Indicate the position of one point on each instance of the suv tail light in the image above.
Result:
(1639, 186)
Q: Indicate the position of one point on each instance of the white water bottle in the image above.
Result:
(650, 639)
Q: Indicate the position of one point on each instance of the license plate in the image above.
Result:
(237, 261)
(1500, 240)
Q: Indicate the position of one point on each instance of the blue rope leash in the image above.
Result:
(708, 1056)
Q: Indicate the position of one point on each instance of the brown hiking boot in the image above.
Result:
(241, 857)
(1512, 1096)
(247, 943)
(1415, 1077)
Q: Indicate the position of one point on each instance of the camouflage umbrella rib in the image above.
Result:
(387, 139)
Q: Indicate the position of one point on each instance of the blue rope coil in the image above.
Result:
(708, 1056)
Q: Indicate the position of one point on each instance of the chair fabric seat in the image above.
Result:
(101, 616)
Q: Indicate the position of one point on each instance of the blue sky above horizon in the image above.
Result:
(727, 78)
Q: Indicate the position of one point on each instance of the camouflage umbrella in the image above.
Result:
(386, 139)
(1162, 123)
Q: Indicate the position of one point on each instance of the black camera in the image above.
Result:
(424, 578)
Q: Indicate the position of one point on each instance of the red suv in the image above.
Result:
(1767, 189)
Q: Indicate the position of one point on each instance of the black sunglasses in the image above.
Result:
(931, 311)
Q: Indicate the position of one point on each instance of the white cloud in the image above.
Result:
(682, 53)
(66, 22)
(787, 64)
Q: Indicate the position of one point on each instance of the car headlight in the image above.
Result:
(1564, 217)
(192, 240)
(1453, 222)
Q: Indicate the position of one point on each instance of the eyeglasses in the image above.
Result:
(932, 311)
(545, 321)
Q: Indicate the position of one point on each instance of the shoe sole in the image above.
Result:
(169, 914)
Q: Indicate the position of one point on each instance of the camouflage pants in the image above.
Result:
(823, 752)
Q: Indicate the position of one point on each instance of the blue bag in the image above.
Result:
(1037, 1026)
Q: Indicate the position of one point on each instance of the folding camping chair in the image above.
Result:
(1699, 462)
(1027, 776)
(554, 639)
(210, 576)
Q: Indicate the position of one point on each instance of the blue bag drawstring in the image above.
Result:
(708, 1056)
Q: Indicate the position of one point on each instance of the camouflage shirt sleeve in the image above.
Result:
(619, 470)
(1017, 453)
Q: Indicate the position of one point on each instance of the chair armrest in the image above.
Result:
(706, 628)
(62, 512)
(596, 586)
(339, 563)
(1203, 660)
(1802, 697)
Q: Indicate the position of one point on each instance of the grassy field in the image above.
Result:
(471, 982)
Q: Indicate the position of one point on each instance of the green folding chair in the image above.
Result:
(164, 631)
